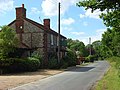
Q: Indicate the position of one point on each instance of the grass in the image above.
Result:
(111, 80)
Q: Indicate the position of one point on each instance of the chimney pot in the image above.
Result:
(47, 23)
(23, 5)
(20, 12)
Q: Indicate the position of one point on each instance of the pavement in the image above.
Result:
(77, 78)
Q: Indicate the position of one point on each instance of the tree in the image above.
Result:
(112, 7)
(111, 17)
(111, 39)
(8, 41)
(90, 47)
(76, 46)
(96, 46)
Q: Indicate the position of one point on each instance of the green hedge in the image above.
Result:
(53, 64)
(19, 65)
(117, 63)
(69, 60)
(90, 58)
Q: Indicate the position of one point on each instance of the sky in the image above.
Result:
(76, 22)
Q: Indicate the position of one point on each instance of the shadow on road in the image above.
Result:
(80, 69)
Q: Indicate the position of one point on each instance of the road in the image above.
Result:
(79, 78)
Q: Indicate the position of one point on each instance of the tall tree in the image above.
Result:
(96, 46)
(8, 41)
(111, 18)
(112, 7)
(76, 45)
(111, 39)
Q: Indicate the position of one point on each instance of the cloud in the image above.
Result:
(82, 15)
(68, 28)
(50, 7)
(85, 23)
(68, 21)
(65, 29)
(101, 30)
(85, 38)
(78, 33)
(89, 14)
(34, 11)
(6, 5)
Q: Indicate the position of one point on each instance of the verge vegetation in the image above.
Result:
(111, 80)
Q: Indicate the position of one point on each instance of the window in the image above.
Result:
(52, 39)
(57, 41)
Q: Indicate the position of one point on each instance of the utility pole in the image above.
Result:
(59, 32)
(90, 46)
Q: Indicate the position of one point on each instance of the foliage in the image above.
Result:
(63, 63)
(37, 55)
(90, 58)
(111, 42)
(52, 63)
(70, 59)
(111, 17)
(32, 64)
(88, 47)
(96, 45)
(77, 46)
(19, 65)
(8, 41)
(116, 60)
(111, 80)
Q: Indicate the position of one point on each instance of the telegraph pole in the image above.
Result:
(90, 46)
(59, 32)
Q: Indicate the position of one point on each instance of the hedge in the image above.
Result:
(19, 65)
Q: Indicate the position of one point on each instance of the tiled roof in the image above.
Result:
(43, 27)
(40, 26)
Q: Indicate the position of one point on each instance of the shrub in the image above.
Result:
(87, 59)
(52, 64)
(36, 55)
(32, 64)
(90, 58)
(19, 65)
(69, 60)
(63, 64)
(116, 60)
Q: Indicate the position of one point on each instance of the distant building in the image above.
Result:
(36, 37)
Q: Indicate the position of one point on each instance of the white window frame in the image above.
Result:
(52, 42)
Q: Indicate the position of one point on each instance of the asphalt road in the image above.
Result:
(79, 78)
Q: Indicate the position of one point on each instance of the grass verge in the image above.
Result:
(111, 80)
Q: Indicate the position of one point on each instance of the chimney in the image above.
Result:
(47, 23)
(20, 12)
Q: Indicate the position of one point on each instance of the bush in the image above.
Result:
(63, 64)
(90, 58)
(87, 59)
(19, 65)
(116, 60)
(52, 64)
(32, 64)
(36, 55)
(69, 60)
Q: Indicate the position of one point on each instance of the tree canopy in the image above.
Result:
(8, 41)
(77, 46)
(111, 39)
(110, 44)
(112, 8)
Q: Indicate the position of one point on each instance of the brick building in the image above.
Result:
(36, 37)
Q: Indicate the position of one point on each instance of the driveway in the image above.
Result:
(79, 78)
